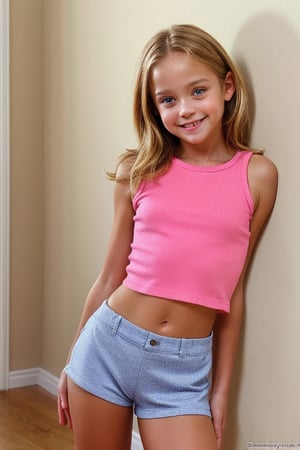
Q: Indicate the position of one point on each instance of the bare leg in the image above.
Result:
(98, 424)
(192, 432)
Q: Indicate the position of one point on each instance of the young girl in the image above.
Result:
(160, 327)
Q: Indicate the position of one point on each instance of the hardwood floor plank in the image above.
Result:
(28, 420)
(9, 440)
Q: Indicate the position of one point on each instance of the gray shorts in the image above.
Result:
(127, 365)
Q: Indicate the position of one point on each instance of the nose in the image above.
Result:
(186, 108)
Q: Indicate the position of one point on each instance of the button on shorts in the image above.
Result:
(129, 366)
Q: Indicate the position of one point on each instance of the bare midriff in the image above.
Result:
(163, 316)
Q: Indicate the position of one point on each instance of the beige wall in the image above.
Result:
(27, 192)
(61, 202)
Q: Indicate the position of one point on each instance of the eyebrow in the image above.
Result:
(192, 83)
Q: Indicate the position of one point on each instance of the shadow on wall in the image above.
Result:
(267, 50)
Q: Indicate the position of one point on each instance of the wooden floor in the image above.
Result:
(28, 420)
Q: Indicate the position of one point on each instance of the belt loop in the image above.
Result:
(182, 348)
(115, 323)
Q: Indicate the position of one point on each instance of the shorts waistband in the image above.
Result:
(151, 341)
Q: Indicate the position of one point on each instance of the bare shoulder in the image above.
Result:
(262, 167)
(263, 179)
(123, 171)
(122, 182)
(126, 161)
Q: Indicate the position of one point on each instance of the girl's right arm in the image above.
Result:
(109, 279)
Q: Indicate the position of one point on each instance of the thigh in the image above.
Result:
(191, 432)
(98, 424)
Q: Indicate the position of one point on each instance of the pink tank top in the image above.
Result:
(191, 232)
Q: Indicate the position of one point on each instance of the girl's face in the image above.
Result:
(189, 98)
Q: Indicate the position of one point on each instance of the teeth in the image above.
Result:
(191, 124)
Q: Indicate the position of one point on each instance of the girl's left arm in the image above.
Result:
(262, 176)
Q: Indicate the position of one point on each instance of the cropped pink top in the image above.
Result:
(191, 232)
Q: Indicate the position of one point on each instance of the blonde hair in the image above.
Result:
(156, 146)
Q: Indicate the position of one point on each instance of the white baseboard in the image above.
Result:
(29, 377)
(136, 443)
(39, 376)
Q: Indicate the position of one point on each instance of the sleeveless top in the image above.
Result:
(191, 232)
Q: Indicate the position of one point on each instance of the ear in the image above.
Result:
(229, 86)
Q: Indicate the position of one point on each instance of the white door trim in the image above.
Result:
(4, 193)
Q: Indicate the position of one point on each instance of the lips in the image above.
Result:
(192, 124)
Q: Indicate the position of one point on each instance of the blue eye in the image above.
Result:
(167, 100)
(199, 91)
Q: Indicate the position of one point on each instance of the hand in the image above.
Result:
(218, 406)
(64, 416)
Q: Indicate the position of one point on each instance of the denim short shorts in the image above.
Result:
(129, 366)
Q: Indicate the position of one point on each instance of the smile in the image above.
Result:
(192, 124)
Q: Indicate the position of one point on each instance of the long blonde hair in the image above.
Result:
(156, 146)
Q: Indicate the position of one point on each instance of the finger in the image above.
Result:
(219, 442)
(218, 432)
(62, 419)
(68, 415)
